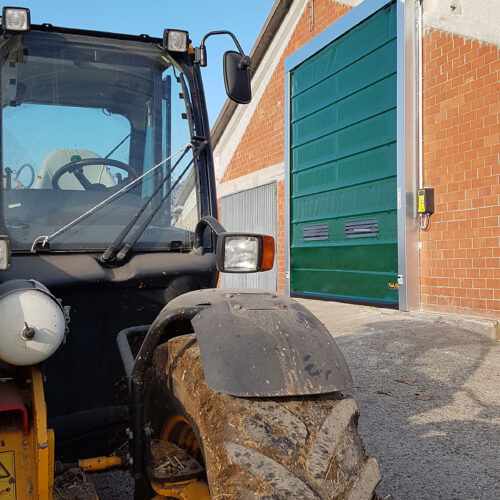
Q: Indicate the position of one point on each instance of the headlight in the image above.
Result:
(241, 253)
(15, 19)
(4, 253)
(244, 253)
(175, 40)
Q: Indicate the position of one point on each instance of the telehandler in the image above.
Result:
(110, 251)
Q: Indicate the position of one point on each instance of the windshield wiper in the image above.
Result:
(126, 243)
(42, 242)
(145, 223)
(113, 246)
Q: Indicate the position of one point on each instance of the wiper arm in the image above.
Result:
(114, 245)
(198, 144)
(145, 223)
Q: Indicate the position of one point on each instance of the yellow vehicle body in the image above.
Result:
(27, 451)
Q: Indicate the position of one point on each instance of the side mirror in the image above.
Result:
(236, 252)
(244, 253)
(237, 77)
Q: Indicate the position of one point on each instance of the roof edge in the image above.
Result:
(267, 33)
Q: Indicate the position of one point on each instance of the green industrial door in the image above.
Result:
(343, 227)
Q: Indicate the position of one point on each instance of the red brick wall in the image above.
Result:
(280, 244)
(263, 142)
(460, 257)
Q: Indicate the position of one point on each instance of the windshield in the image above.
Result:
(83, 117)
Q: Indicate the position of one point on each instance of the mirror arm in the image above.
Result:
(200, 53)
(205, 221)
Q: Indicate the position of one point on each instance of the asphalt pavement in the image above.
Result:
(429, 400)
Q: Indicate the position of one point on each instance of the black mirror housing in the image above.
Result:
(237, 77)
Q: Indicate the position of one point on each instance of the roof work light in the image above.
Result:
(175, 40)
(15, 19)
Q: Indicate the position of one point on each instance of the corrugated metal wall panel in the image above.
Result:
(253, 211)
(343, 165)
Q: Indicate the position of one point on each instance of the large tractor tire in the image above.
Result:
(263, 448)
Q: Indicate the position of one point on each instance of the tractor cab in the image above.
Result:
(102, 126)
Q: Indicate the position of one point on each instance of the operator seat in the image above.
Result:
(61, 156)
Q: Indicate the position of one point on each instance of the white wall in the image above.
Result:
(479, 19)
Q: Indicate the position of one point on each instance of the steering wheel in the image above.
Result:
(76, 167)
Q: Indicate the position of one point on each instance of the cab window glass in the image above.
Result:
(38, 140)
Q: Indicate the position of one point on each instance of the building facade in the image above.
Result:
(356, 106)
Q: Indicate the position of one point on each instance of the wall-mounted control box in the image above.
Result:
(425, 199)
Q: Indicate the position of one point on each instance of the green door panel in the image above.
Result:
(359, 137)
(358, 200)
(364, 167)
(350, 80)
(343, 224)
(371, 34)
(354, 109)
(367, 286)
(337, 241)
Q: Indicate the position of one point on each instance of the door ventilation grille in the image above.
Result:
(318, 232)
(361, 228)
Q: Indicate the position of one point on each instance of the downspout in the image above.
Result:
(424, 218)
(419, 91)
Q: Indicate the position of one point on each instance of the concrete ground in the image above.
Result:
(429, 398)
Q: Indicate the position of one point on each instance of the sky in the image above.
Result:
(244, 18)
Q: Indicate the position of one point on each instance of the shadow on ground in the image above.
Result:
(435, 431)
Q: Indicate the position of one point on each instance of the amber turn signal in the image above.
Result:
(267, 256)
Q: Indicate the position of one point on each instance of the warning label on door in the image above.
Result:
(7, 476)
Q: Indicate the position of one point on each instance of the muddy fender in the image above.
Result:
(256, 343)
